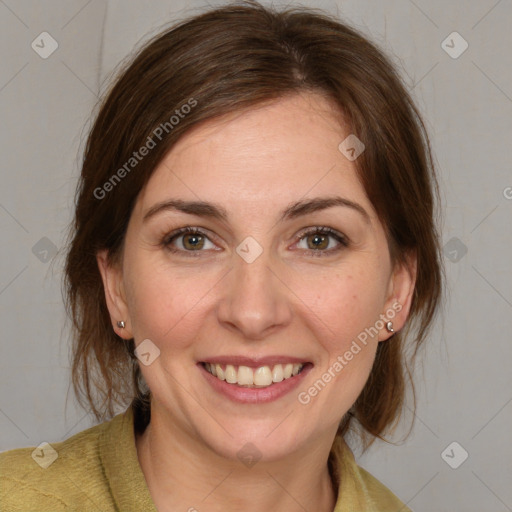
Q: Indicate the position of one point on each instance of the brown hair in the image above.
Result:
(222, 61)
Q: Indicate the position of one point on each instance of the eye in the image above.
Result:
(194, 240)
(317, 240)
(187, 240)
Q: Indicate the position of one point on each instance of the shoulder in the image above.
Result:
(55, 476)
(383, 497)
(357, 488)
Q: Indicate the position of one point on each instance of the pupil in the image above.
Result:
(195, 240)
(318, 239)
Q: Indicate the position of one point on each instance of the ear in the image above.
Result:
(400, 294)
(114, 294)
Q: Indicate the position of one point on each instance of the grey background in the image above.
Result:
(463, 377)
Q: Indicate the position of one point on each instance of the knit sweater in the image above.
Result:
(98, 470)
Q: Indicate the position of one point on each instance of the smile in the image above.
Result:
(260, 377)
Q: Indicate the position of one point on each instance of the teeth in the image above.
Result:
(263, 376)
(245, 376)
(231, 375)
(219, 372)
(277, 373)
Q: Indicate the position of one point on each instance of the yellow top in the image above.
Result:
(98, 470)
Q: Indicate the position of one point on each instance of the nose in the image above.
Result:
(255, 300)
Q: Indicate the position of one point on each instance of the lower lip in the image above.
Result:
(255, 395)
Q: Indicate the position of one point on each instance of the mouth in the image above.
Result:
(263, 376)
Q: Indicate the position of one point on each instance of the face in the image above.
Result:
(286, 265)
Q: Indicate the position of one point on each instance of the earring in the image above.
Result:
(389, 327)
(120, 324)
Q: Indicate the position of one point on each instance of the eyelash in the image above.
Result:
(322, 230)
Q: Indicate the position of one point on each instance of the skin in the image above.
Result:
(289, 301)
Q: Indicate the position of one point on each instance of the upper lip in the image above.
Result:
(253, 362)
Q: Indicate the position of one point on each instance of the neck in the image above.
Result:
(183, 474)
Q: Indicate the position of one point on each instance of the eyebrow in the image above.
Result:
(293, 211)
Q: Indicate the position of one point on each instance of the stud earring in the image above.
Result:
(389, 327)
(120, 324)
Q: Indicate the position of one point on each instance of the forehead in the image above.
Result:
(259, 159)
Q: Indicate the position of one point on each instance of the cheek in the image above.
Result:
(168, 304)
(342, 305)
(343, 309)
(164, 303)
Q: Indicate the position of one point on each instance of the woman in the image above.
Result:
(254, 237)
